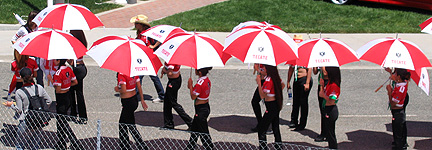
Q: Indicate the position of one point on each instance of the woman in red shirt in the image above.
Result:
(330, 95)
(396, 100)
(129, 99)
(200, 94)
(271, 92)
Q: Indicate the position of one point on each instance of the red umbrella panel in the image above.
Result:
(67, 17)
(324, 52)
(389, 52)
(264, 44)
(162, 32)
(50, 44)
(426, 26)
(421, 78)
(192, 49)
(125, 55)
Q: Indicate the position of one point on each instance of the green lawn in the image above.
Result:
(23, 7)
(300, 16)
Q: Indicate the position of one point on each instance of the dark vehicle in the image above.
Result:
(422, 4)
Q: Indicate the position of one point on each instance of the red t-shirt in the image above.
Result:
(399, 93)
(31, 64)
(268, 86)
(332, 91)
(175, 68)
(129, 81)
(64, 77)
(202, 88)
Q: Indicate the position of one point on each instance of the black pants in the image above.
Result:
(80, 72)
(127, 124)
(170, 102)
(331, 114)
(157, 84)
(39, 77)
(256, 104)
(200, 128)
(398, 121)
(321, 108)
(404, 129)
(300, 101)
(64, 131)
(271, 116)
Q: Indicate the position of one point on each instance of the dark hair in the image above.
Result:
(205, 70)
(30, 17)
(403, 73)
(26, 75)
(79, 34)
(273, 73)
(62, 63)
(22, 62)
(334, 75)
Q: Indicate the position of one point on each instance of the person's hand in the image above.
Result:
(389, 70)
(116, 88)
(8, 103)
(321, 82)
(258, 79)
(306, 87)
(144, 105)
(288, 86)
(151, 46)
(321, 93)
(190, 82)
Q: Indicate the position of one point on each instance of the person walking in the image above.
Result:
(330, 95)
(24, 133)
(397, 97)
(322, 74)
(63, 79)
(141, 25)
(301, 89)
(200, 94)
(271, 92)
(129, 99)
(171, 94)
(77, 91)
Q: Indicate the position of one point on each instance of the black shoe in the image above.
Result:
(167, 127)
(81, 121)
(292, 125)
(269, 132)
(320, 139)
(298, 129)
(254, 129)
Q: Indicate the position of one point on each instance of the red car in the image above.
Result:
(422, 4)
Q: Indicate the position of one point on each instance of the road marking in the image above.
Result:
(370, 116)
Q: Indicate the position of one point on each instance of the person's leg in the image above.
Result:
(137, 137)
(21, 135)
(205, 133)
(256, 108)
(62, 105)
(276, 129)
(39, 77)
(167, 107)
(333, 115)
(158, 86)
(176, 84)
(264, 124)
(397, 124)
(126, 117)
(73, 106)
(81, 70)
(304, 103)
(404, 129)
(297, 89)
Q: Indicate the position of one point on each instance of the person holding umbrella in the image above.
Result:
(271, 92)
(301, 89)
(200, 94)
(330, 95)
(63, 79)
(173, 85)
(141, 25)
(397, 97)
(129, 99)
(322, 74)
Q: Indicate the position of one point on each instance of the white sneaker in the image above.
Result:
(157, 100)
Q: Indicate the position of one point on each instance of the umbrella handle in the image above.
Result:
(190, 74)
(381, 85)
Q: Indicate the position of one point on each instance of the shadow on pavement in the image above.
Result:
(47, 138)
(416, 128)
(306, 132)
(363, 139)
(155, 119)
(423, 144)
(235, 123)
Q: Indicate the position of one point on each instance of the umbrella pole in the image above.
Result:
(190, 74)
(381, 85)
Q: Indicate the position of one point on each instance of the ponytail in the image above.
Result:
(62, 63)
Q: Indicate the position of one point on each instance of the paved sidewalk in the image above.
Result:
(154, 9)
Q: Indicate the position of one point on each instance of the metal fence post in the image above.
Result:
(98, 144)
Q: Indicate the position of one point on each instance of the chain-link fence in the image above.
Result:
(66, 132)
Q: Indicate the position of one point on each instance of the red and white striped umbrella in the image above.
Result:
(192, 49)
(125, 55)
(50, 44)
(264, 44)
(162, 32)
(249, 23)
(421, 78)
(389, 52)
(67, 17)
(325, 52)
(426, 26)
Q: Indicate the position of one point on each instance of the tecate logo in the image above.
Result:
(398, 54)
(162, 31)
(139, 60)
(260, 49)
(171, 46)
(322, 53)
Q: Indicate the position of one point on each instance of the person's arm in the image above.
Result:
(260, 90)
(74, 82)
(308, 77)
(290, 73)
(389, 93)
(155, 45)
(143, 103)
(45, 95)
(190, 87)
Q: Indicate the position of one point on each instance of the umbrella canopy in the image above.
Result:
(249, 23)
(125, 55)
(389, 52)
(324, 52)
(264, 44)
(162, 32)
(67, 17)
(192, 49)
(426, 26)
(421, 78)
(50, 44)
